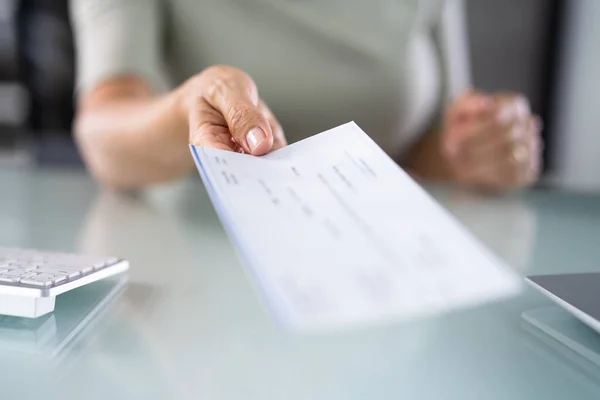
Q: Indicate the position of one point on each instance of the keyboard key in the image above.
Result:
(36, 283)
(87, 270)
(71, 275)
(16, 273)
(44, 280)
(98, 265)
(60, 279)
(9, 280)
(23, 266)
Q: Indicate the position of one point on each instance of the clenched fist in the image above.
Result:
(492, 141)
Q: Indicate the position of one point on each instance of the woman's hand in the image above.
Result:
(225, 112)
(492, 141)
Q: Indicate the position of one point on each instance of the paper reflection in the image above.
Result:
(507, 225)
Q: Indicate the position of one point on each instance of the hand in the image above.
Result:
(224, 112)
(492, 141)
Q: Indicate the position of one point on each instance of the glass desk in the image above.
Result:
(189, 325)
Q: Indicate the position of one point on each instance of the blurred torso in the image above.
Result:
(319, 63)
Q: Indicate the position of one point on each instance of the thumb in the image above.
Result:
(249, 127)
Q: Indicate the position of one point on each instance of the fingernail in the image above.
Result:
(255, 137)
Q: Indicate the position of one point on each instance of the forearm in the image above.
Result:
(426, 160)
(135, 141)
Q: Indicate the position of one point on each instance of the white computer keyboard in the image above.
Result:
(30, 279)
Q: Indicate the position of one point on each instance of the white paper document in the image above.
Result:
(335, 233)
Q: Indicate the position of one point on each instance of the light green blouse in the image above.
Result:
(386, 64)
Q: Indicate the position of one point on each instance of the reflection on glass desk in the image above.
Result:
(49, 337)
(189, 324)
(566, 342)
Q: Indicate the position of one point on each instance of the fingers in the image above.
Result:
(234, 95)
(472, 102)
(470, 105)
(472, 108)
(512, 160)
(492, 139)
(503, 111)
(207, 127)
(471, 136)
(511, 106)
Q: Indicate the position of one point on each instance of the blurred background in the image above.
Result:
(547, 49)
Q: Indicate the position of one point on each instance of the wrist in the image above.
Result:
(180, 99)
(189, 93)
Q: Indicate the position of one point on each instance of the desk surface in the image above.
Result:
(189, 324)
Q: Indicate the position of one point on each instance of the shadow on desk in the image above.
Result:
(508, 225)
